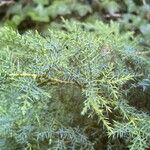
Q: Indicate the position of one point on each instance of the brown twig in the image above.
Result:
(35, 76)
(6, 2)
(116, 15)
(144, 2)
(55, 81)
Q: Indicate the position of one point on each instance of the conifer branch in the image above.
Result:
(74, 56)
(36, 76)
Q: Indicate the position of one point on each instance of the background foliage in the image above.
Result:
(133, 13)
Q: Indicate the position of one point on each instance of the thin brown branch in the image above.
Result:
(45, 78)
(116, 15)
(144, 2)
(55, 81)
(4, 2)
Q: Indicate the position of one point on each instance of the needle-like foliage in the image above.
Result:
(69, 88)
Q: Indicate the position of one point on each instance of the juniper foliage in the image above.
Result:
(69, 88)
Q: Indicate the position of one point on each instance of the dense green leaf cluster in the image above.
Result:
(44, 10)
(133, 15)
(69, 89)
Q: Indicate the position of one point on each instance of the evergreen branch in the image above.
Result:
(55, 81)
(74, 56)
(36, 76)
(17, 75)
